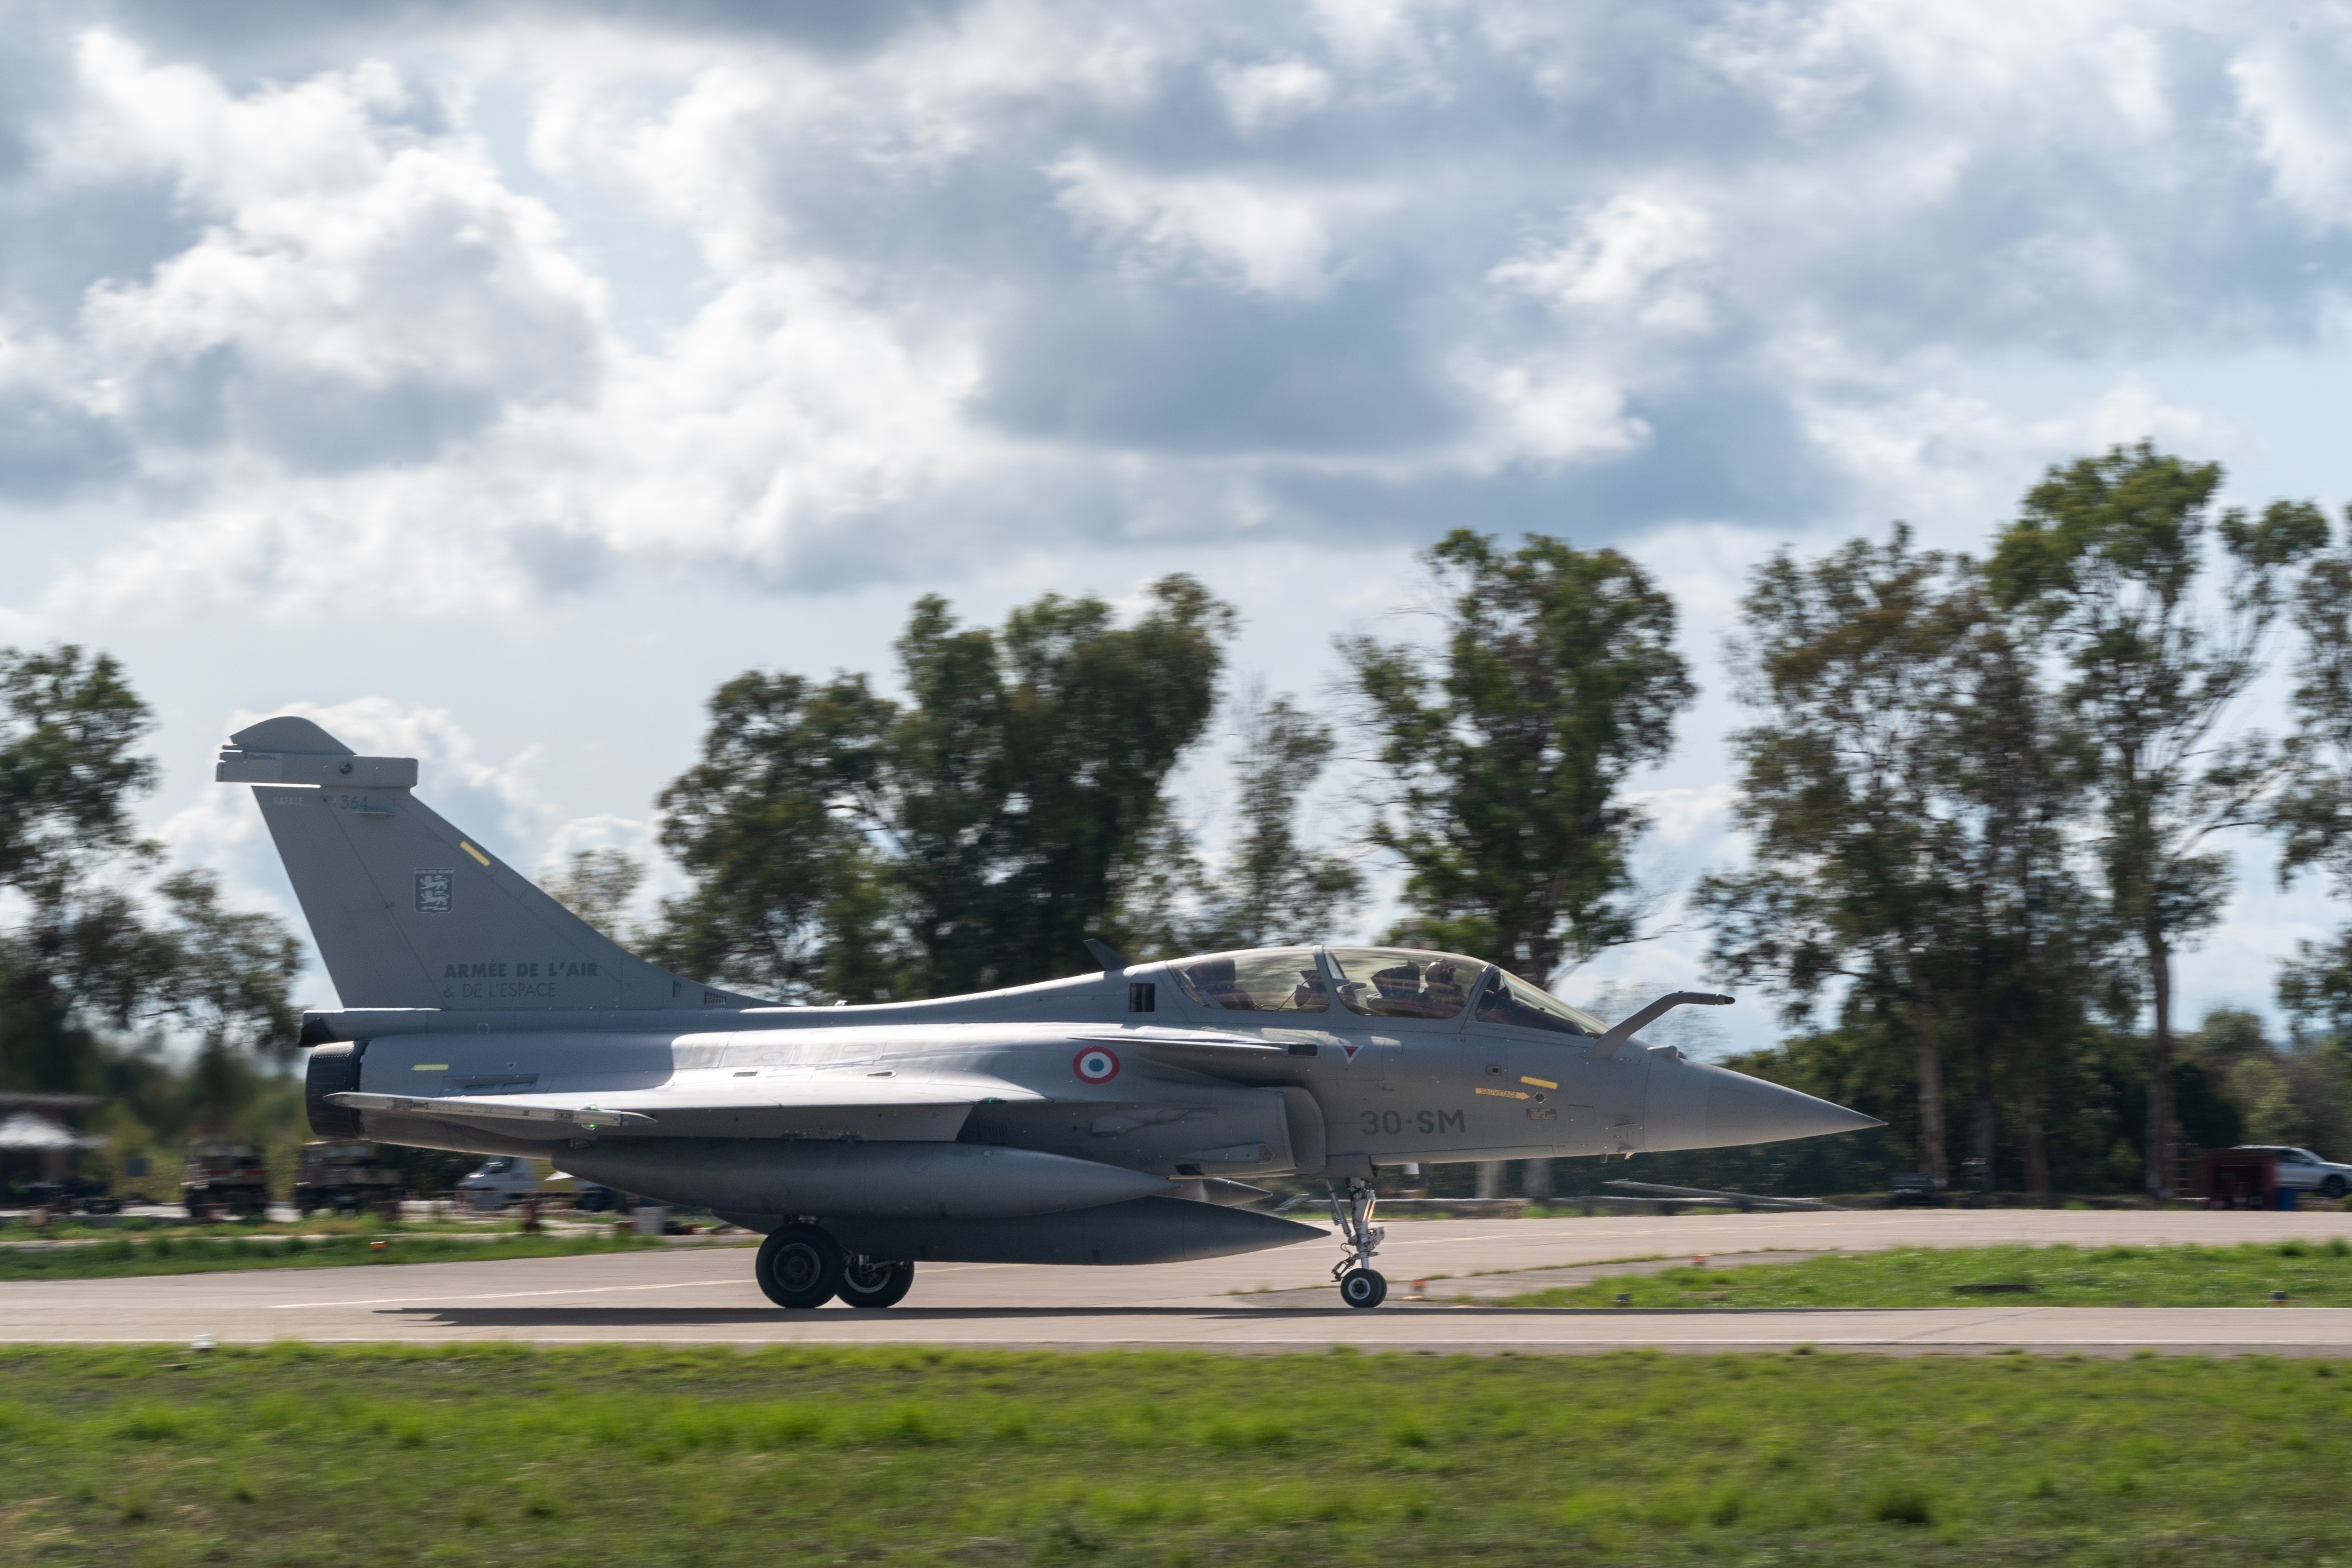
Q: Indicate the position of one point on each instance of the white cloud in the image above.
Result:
(1265, 235)
(361, 291)
(1548, 411)
(1932, 458)
(1023, 275)
(1272, 93)
(1637, 259)
(1681, 817)
(2289, 93)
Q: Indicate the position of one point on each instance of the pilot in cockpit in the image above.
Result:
(1446, 989)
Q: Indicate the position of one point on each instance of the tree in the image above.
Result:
(2106, 557)
(2314, 986)
(597, 885)
(69, 772)
(1065, 773)
(768, 823)
(227, 977)
(1558, 681)
(2315, 810)
(90, 951)
(1908, 794)
(973, 835)
(1269, 890)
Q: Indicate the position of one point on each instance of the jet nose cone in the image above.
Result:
(1743, 1110)
(1692, 1105)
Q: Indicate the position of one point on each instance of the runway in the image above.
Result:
(1258, 1303)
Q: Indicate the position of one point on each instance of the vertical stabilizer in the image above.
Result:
(409, 913)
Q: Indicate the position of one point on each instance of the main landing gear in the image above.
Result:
(800, 1266)
(1359, 1285)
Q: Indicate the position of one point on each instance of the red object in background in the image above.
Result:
(2241, 1179)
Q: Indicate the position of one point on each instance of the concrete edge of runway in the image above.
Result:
(2060, 1350)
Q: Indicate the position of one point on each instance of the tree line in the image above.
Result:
(1982, 795)
(1016, 800)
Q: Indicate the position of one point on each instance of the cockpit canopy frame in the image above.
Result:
(1375, 983)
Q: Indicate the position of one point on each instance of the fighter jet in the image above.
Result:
(1114, 1117)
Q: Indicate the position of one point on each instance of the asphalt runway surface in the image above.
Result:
(1257, 1303)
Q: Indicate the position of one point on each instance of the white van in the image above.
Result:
(499, 1180)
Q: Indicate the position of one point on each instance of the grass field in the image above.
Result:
(211, 1253)
(2312, 1274)
(639, 1455)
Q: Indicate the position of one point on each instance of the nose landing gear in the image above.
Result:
(1359, 1285)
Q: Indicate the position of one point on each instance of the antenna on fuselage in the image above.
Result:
(1106, 955)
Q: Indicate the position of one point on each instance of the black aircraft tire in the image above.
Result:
(1362, 1288)
(799, 1267)
(890, 1283)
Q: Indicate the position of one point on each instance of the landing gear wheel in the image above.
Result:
(868, 1282)
(799, 1267)
(1351, 1216)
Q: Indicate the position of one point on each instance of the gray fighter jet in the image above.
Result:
(1110, 1117)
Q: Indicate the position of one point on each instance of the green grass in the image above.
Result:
(212, 1254)
(2312, 1274)
(478, 1455)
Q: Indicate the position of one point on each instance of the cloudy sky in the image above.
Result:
(492, 380)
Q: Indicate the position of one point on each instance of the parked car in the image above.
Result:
(345, 1178)
(71, 1193)
(1915, 1187)
(2300, 1171)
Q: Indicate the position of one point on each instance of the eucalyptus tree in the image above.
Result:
(228, 979)
(70, 774)
(97, 947)
(1907, 792)
(767, 823)
(1509, 749)
(973, 835)
(1899, 793)
(1030, 767)
(596, 885)
(2315, 809)
(70, 724)
(2106, 557)
(1269, 886)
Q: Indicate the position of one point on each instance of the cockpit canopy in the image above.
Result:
(1376, 983)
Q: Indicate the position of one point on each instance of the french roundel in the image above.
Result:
(1095, 1065)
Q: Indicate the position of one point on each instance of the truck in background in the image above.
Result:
(347, 1177)
(224, 1181)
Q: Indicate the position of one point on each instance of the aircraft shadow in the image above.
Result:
(643, 1317)
(682, 1317)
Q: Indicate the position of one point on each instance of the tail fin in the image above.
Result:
(408, 911)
